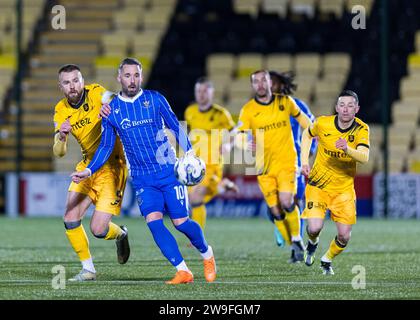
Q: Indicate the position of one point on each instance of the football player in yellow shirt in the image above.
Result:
(207, 122)
(77, 114)
(343, 142)
(268, 115)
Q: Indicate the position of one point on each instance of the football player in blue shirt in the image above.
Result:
(139, 117)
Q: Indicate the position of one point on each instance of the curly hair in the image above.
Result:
(286, 79)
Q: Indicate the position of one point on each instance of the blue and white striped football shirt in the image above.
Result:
(140, 122)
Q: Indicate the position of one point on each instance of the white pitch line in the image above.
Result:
(133, 282)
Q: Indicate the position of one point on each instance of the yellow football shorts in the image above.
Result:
(105, 187)
(341, 205)
(214, 174)
(280, 180)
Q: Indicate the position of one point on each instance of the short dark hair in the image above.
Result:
(259, 71)
(286, 79)
(68, 68)
(129, 61)
(348, 93)
(205, 80)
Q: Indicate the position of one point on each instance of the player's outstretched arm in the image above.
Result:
(303, 120)
(105, 148)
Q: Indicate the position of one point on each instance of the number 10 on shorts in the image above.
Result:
(182, 194)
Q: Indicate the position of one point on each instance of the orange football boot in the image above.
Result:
(181, 277)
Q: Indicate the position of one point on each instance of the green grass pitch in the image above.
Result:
(250, 265)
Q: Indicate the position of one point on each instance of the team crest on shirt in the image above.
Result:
(146, 103)
(351, 138)
(281, 107)
(86, 107)
(310, 205)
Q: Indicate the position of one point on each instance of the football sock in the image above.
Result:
(114, 231)
(293, 221)
(208, 254)
(182, 267)
(283, 228)
(334, 250)
(194, 232)
(78, 239)
(88, 265)
(165, 241)
(199, 215)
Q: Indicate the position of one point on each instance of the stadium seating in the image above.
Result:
(319, 78)
(279, 61)
(100, 33)
(275, 6)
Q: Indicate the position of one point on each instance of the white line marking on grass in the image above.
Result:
(134, 282)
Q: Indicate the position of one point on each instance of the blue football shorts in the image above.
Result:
(161, 192)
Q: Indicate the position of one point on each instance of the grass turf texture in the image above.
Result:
(250, 265)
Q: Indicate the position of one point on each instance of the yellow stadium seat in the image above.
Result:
(7, 62)
(279, 62)
(414, 60)
(248, 63)
(307, 64)
(146, 43)
(115, 44)
(336, 63)
(220, 63)
(326, 89)
(220, 81)
(306, 7)
(128, 19)
(235, 103)
(405, 112)
(408, 87)
(275, 6)
(366, 4)
(246, 6)
(331, 6)
(156, 20)
(338, 78)
(323, 106)
(240, 88)
(107, 62)
(164, 5)
(136, 3)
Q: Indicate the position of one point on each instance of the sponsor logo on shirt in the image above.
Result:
(81, 123)
(127, 123)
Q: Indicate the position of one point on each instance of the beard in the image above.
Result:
(74, 97)
(262, 94)
(131, 91)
